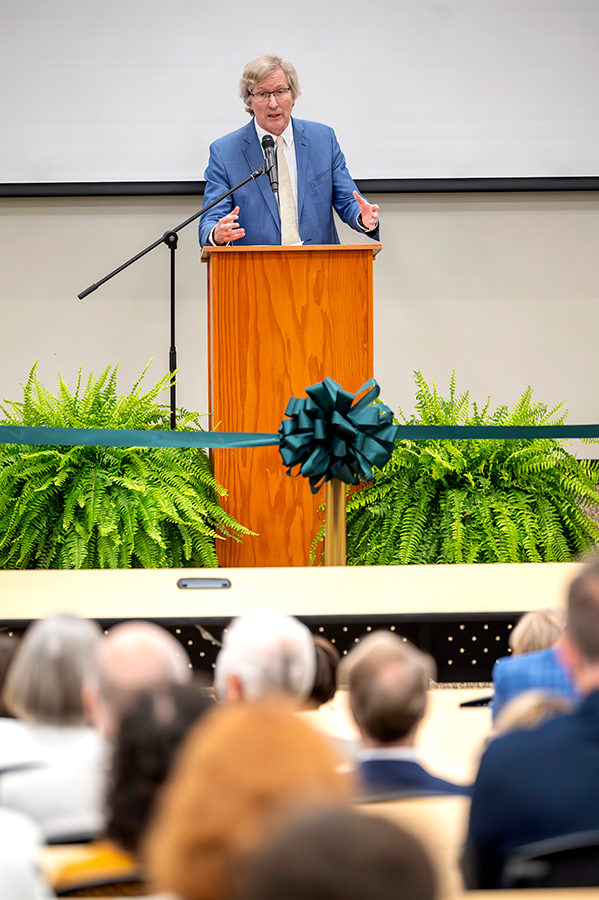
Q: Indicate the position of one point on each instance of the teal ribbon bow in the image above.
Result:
(329, 436)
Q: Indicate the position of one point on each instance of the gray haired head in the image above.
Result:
(268, 653)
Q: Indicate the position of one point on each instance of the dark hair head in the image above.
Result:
(325, 680)
(340, 855)
(583, 613)
(8, 645)
(147, 741)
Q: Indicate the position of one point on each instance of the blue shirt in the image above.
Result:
(542, 670)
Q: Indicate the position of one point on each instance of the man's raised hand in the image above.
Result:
(228, 229)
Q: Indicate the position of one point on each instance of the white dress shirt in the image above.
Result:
(289, 151)
(408, 754)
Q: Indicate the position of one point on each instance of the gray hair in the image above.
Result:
(270, 654)
(259, 69)
(44, 680)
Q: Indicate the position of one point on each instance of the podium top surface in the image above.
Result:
(295, 248)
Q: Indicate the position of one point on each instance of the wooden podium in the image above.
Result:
(279, 320)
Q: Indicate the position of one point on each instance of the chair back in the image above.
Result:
(570, 860)
(439, 822)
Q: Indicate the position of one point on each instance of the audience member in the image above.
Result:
(20, 876)
(529, 710)
(534, 785)
(537, 630)
(147, 742)
(265, 653)
(245, 769)
(57, 756)
(388, 686)
(135, 656)
(339, 855)
(325, 679)
(8, 645)
(537, 660)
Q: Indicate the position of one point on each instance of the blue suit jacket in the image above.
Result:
(534, 785)
(380, 775)
(512, 675)
(323, 182)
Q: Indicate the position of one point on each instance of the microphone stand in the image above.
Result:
(170, 238)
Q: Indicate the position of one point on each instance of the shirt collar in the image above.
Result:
(408, 754)
(287, 134)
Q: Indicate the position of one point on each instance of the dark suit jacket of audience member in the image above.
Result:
(534, 785)
(379, 775)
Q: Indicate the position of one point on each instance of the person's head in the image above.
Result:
(537, 630)
(581, 645)
(147, 741)
(529, 710)
(325, 679)
(339, 855)
(261, 76)
(44, 679)
(388, 687)
(133, 657)
(265, 653)
(242, 772)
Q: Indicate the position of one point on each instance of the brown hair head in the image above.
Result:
(583, 613)
(388, 690)
(340, 855)
(245, 768)
(325, 680)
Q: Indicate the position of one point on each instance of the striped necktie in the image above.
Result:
(289, 232)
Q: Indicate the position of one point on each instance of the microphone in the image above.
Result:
(268, 145)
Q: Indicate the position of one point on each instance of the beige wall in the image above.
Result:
(504, 288)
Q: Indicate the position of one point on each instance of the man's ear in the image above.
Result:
(570, 656)
(89, 697)
(233, 690)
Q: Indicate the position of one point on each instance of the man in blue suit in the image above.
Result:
(312, 175)
(388, 680)
(535, 785)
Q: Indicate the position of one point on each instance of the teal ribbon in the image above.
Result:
(110, 437)
(328, 435)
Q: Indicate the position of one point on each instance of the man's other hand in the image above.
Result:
(227, 229)
(368, 211)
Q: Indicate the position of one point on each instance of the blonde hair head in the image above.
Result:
(259, 69)
(529, 710)
(537, 630)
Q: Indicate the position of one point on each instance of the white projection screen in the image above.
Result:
(135, 90)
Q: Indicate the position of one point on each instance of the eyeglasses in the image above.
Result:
(264, 96)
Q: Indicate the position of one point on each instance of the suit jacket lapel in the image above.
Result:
(255, 157)
(302, 152)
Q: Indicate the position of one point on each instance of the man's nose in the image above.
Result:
(272, 100)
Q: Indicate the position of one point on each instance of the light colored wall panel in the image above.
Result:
(502, 288)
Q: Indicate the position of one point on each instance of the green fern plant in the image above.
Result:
(468, 501)
(106, 507)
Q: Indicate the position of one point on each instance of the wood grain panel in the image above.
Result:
(280, 319)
